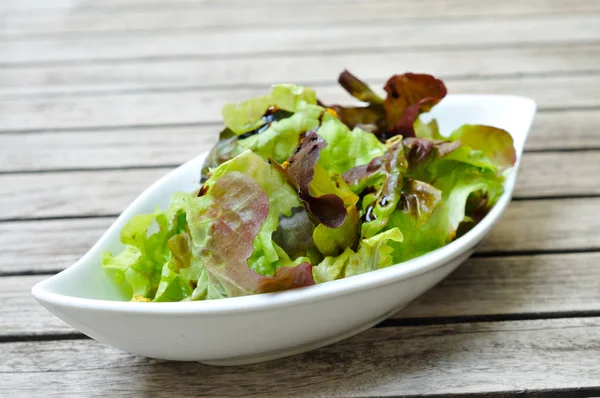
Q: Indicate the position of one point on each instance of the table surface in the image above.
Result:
(99, 99)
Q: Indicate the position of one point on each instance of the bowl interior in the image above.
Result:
(87, 279)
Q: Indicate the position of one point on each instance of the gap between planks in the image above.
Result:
(554, 29)
(193, 107)
(163, 146)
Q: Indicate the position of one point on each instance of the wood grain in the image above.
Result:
(204, 106)
(107, 192)
(509, 357)
(47, 245)
(526, 226)
(88, 15)
(287, 39)
(527, 286)
(445, 63)
(147, 19)
(173, 145)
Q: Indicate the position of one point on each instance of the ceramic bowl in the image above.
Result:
(263, 327)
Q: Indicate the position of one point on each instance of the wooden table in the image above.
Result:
(98, 99)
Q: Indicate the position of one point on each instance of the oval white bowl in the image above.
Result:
(268, 326)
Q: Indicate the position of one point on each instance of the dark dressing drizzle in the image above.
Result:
(271, 115)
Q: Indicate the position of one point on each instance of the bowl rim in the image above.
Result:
(369, 280)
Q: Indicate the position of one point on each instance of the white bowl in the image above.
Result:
(263, 327)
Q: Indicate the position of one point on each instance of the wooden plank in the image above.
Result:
(501, 286)
(240, 72)
(564, 130)
(509, 357)
(204, 106)
(206, 17)
(110, 191)
(551, 225)
(168, 146)
(406, 7)
(21, 314)
(526, 226)
(540, 284)
(47, 245)
(542, 174)
(296, 39)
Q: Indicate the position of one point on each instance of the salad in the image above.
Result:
(298, 192)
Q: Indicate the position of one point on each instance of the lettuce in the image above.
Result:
(380, 182)
(373, 253)
(347, 148)
(297, 193)
(328, 208)
(248, 115)
(408, 96)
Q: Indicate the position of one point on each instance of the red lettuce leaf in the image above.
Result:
(408, 96)
(358, 89)
(328, 209)
(239, 209)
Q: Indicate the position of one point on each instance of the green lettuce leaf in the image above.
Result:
(467, 181)
(332, 241)
(246, 116)
(373, 253)
(280, 139)
(493, 143)
(139, 267)
(347, 148)
(423, 219)
(380, 184)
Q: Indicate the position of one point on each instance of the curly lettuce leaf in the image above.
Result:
(280, 139)
(373, 253)
(332, 241)
(328, 209)
(281, 196)
(408, 96)
(423, 219)
(347, 148)
(246, 116)
(380, 184)
(295, 233)
(139, 267)
(451, 179)
(493, 143)
(229, 228)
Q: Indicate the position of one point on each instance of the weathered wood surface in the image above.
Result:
(340, 38)
(538, 286)
(98, 99)
(509, 357)
(193, 15)
(204, 105)
(455, 63)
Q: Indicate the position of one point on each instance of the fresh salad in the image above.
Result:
(298, 192)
